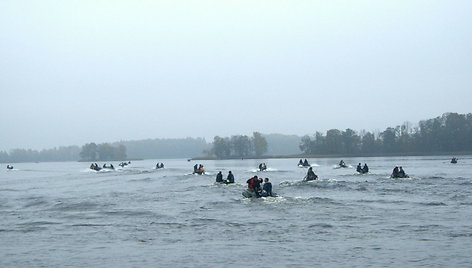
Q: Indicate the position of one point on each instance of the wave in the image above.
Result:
(326, 184)
(9, 190)
(38, 223)
(90, 225)
(146, 179)
(267, 170)
(434, 204)
(313, 199)
(36, 203)
(132, 213)
(320, 225)
(80, 206)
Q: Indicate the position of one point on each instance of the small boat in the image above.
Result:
(399, 176)
(250, 194)
(200, 171)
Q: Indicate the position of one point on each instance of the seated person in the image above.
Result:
(230, 178)
(365, 169)
(219, 177)
(310, 175)
(266, 188)
(401, 173)
(395, 172)
(359, 168)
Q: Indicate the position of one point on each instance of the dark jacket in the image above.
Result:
(267, 187)
(219, 177)
(230, 178)
(311, 175)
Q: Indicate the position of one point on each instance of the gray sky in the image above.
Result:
(73, 72)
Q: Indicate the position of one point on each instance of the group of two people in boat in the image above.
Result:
(361, 169)
(229, 178)
(254, 186)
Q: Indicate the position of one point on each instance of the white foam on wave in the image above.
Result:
(267, 170)
(276, 199)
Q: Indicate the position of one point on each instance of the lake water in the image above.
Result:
(63, 214)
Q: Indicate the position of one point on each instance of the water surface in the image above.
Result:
(63, 214)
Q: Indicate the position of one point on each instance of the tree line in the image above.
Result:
(102, 152)
(239, 146)
(63, 153)
(451, 132)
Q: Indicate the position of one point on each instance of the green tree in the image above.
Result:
(105, 152)
(241, 145)
(221, 147)
(351, 141)
(306, 145)
(369, 144)
(260, 144)
(389, 140)
(89, 152)
(334, 141)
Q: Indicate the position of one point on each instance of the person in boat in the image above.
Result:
(395, 172)
(219, 177)
(229, 178)
(300, 163)
(254, 185)
(310, 175)
(365, 169)
(454, 160)
(262, 166)
(342, 164)
(9, 167)
(359, 168)
(266, 188)
(401, 173)
(111, 166)
(94, 166)
(195, 168)
(257, 186)
(305, 163)
(201, 170)
(162, 165)
(250, 183)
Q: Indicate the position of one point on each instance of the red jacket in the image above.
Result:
(250, 183)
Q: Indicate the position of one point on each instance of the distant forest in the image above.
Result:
(238, 146)
(102, 152)
(66, 153)
(449, 133)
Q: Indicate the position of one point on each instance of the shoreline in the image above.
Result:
(337, 155)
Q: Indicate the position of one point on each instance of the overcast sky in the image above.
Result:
(73, 72)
